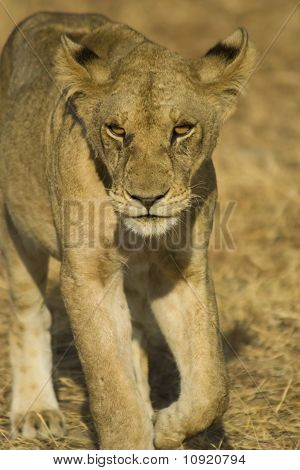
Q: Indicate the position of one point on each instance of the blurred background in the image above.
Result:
(256, 277)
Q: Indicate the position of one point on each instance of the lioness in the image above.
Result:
(106, 144)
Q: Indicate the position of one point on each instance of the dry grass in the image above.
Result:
(258, 282)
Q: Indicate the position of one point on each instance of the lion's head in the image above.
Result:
(151, 115)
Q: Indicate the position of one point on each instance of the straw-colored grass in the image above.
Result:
(257, 282)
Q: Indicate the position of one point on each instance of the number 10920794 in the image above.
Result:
(214, 459)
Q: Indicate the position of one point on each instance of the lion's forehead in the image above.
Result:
(153, 85)
(156, 93)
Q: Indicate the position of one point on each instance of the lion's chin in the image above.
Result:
(150, 227)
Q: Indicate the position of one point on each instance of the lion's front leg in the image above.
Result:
(102, 330)
(186, 312)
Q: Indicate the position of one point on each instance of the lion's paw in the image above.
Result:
(168, 430)
(42, 424)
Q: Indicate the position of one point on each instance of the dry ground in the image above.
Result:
(257, 282)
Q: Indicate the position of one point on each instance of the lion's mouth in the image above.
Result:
(156, 213)
(150, 216)
(147, 216)
(149, 224)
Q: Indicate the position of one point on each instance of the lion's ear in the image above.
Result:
(227, 67)
(77, 66)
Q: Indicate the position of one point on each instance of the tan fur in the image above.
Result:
(72, 189)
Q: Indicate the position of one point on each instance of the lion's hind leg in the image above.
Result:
(34, 408)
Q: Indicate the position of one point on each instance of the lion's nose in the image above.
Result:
(149, 200)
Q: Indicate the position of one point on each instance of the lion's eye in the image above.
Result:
(182, 131)
(116, 131)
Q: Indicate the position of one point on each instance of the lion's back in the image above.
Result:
(29, 51)
(28, 93)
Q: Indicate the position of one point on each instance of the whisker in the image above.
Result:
(200, 185)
